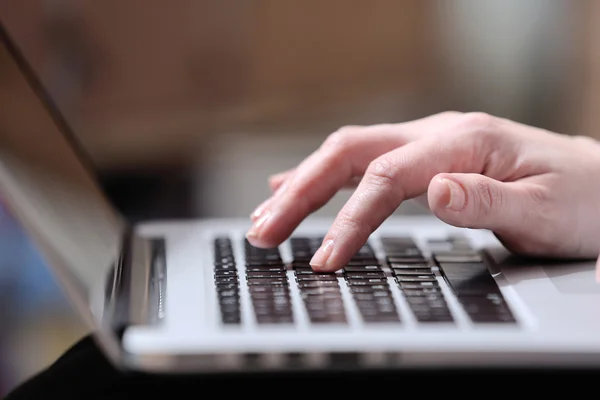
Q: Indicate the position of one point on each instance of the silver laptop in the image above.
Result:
(194, 296)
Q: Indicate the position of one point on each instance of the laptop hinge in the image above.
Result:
(135, 294)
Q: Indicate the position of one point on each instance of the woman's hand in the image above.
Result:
(538, 191)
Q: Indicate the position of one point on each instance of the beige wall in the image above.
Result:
(158, 80)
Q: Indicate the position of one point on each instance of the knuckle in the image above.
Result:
(489, 197)
(341, 139)
(382, 172)
(479, 125)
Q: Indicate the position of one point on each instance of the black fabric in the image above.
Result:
(84, 373)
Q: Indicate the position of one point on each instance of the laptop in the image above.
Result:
(195, 297)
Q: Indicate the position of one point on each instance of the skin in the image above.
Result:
(538, 191)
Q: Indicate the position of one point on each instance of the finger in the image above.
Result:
(402, 174)
(277, 180)
(351, 184)
(598, 270)
(317, 180)
(344, 156)
(479, 202)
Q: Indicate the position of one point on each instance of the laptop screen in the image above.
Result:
(45, 182)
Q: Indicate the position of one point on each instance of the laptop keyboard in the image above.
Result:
(368, 279)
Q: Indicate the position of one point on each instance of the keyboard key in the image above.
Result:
(415, 278)
(320, 292)
(458, 257)
(317, 277)
(317, 284)
(469, 279)
(226, 281)
(363, 268)
(366, 282)
(268, 285)
(406, 260)
(412, 271)
(265, 274)
(417, 285)
(422, 292)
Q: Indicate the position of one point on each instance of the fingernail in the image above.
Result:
(254, 232)
(457, 198)
(320, 258)
(259, 210)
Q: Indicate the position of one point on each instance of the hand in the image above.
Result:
(538, 191)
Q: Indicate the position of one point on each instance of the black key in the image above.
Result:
(369, 288)
(375, 302)
(269, 296)
(264, 269)
(492, 318)
(303, 272)
(469, 279)
(316, 302)
(405, 253)
(412, 271)
(226, 267)
(406, 260)
(409, 266)
(224, 261)
(458, 257)
(275, 319)
(323, 298)
(300, 264)
(222, 273)
(421, 292)
(229, 303)
(429, 300)
(418, 285)
(231, 318)
(364, 275)
(268, 289)
(319, 291)
(317, 284)
(226, 279)
(366, 282)
(228, 292)
(329, 319)
(265, 274)
(279, 281)
(415, 278)
(226, 286)
(362, 268)
(362, 262)
(265, 263)
(371, 296)
(428, 317)
(316, 277)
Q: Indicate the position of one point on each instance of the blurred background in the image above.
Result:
(187, 106)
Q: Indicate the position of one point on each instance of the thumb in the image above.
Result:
(476, 201)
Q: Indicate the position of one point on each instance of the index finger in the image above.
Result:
(399, 175)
